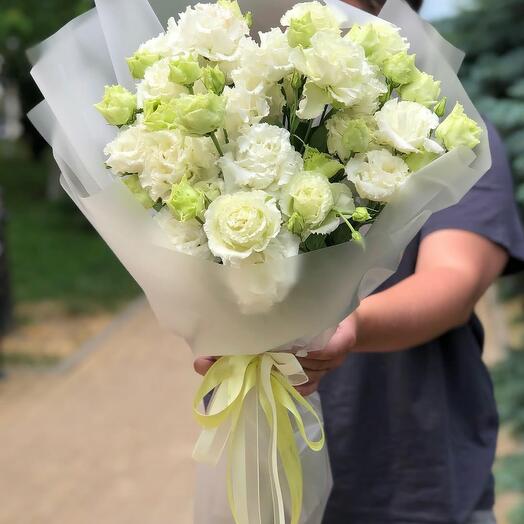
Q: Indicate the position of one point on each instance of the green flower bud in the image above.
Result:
(358, 238)
(159, 115)
(458, 130)
(424, 89)
(133, 184)
(199, 115)
(322, 163)
(296, 224)
(357, 136)
(214, 79)
(185, 202)
(140, 61)
(296, 80)
(248, 17)
(361, 214)
(417, 161)
(400, 68)
(440, 108)
(118, 106)
(184, 71)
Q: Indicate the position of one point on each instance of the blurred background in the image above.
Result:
(86, 374)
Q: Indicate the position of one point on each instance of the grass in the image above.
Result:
(54, 253)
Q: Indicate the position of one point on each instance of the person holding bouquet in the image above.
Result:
(409, 409)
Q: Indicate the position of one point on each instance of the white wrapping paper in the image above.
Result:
(202, 301)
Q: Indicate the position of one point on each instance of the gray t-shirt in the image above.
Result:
(412, 434)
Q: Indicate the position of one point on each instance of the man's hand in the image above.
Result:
(318, 363)
(203, 364)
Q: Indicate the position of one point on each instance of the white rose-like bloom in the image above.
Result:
(244, 108)
(156, 84)
(241, 224)
(258, 291)
(185, 237)
(126, 153)
(210, 30)
(377, 175)
(407, 126)
(265, 63)
(263, 158)
(337, 72)
(160, 45)
(169, 155)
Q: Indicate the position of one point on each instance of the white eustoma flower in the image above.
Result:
(407, 126)
(160, 45)
(126, 153)
(156, 84)
(337, 72)
(264, 63)
(210, 30)
(169, 155)
(244, 108)
(186, 237)
(377, 175)
(241, 224)
(262, 158)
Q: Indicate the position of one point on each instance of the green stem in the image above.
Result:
(324, 114)
(217, 145)
(190, 89)
(308, 134)
(226, 136)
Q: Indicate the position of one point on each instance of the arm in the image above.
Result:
(454, 269)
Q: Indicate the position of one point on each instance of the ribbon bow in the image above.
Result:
(241, 385)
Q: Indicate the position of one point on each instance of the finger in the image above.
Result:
(314, 365)
(315, 376)
(308, 389)
(203, 364)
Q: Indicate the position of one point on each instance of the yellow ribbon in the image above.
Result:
(240, 385)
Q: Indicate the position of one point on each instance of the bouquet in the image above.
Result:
(257, 185)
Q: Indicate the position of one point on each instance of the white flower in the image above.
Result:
(337, 72)
(377, 175)
(156, 84)
(185, 237)
(169, 155)
(160, 45)
(267, 63)
(241, 224)
(126, 152)
(210, 30)
(244, 108)
(258, 291)
(407, 127)
(262, 158)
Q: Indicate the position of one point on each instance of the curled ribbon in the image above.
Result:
(241, 385)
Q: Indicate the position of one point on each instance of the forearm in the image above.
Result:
(414, 311)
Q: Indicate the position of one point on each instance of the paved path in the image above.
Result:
(107, 441)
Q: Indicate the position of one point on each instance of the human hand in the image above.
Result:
(318, 363)
(203, 364)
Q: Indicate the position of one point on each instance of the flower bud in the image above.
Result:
(140, 61)
(458, 130)
(214, 79)
(118, 106)
(184, 71)
(199, 115)
(159, 115)
(400, 68)
(185, 202)
(133, 184)
(361, 214)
